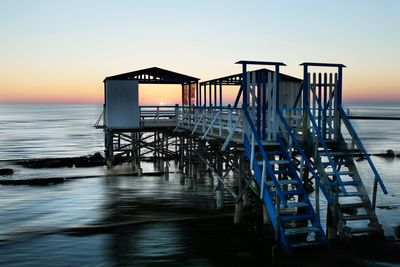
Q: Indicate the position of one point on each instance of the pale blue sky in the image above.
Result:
(78, 43)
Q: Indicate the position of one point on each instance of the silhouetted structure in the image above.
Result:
(279, 134)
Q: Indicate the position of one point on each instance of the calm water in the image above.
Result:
(34, 218)
(31, 131)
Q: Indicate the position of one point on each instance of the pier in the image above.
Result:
(281, 139)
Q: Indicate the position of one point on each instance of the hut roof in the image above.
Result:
(154, 75)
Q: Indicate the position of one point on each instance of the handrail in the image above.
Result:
(229, 137)
(211, 125)
(198, 122)
(362, 148)
(180, 121)
(214, 121)
(261, 150)
(154, 106)
(212, 107)
(328, 154)
(303, 155)
(99, 119)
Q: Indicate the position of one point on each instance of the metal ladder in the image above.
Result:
(349, 205)
(339, 175)
(281, 190)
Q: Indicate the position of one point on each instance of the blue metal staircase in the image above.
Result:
(350, 206)
(334, 161)
(282, 192)
(270, 140)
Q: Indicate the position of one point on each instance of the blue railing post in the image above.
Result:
(244, 86)
(210, 96)
(338, 96)
(306, 102)
(305, 87)
(259, 104)
(197, 93)
(263, 102)
(277, 87)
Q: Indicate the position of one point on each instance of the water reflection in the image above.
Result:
(134, 221)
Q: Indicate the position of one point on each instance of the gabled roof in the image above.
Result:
(236, 79)
(154, 75)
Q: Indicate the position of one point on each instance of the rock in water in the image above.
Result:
(390, 153)
(360, 159)
(85, 161)
(397, 231)
(6, 171)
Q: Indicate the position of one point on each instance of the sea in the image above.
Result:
(144, 221)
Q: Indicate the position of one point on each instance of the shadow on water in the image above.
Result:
(139, 221)
(170, 225)
(147, 221)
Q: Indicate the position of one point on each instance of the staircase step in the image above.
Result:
(292, 205)
(340, 173)
(269, 143)
(366, 230)
(287, 171)
(279, 161)
(337, 163)
(353, 194)
(282, 182)
(301, 230)
(295, 217)
(350, 183)
(260, 162)
(292, 192)
(334, 153)
(274, 152)
(358, 217)
(354, 205)
(307, 244)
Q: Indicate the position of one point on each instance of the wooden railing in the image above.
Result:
(154, 116)
(217, 122)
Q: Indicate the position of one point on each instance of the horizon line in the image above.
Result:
(349, 102)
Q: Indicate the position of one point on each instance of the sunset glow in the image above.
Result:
(60, 51)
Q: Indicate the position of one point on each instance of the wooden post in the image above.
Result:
(181, 154)
(332, 217)
(110, 149)
(266, 218)
(238, 212)
(306, 102)
(277, 223)
(220, 189)
(243, 170)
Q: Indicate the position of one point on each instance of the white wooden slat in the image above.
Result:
(319, 97)
(330, 88)
(274, 115)
(314, 81)
(335, 114)
(269, 101)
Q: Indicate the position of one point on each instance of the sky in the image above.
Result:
(60, 51)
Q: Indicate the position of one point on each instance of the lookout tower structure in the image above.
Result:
(281, 138)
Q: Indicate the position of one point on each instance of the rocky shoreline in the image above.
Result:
(78, 162)
(97, 159)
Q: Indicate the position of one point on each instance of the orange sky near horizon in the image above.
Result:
(61, 51)
(90, 90)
